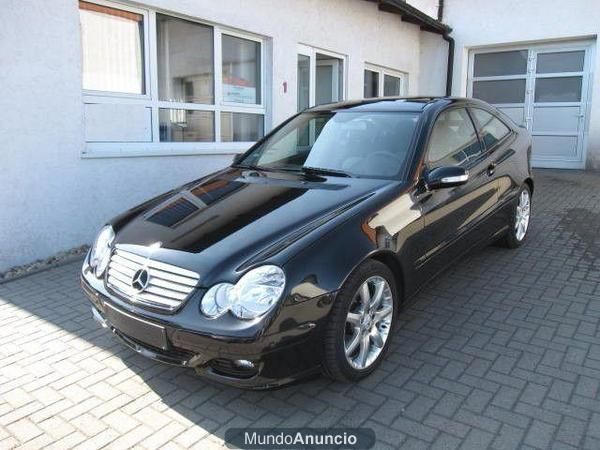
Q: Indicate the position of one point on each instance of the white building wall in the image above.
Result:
(479, 23)
(52, 199)
(433, 62)
(429, 7)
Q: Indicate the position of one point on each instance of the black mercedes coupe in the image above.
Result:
(298, 257)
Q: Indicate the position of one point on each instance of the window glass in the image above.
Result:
(500, 63)
(391, 86)
(370, 144)
(491, 128)
(500, 91)
(329, 84)
(371, 87)
(560, 62)
(112, 43)
(241, 70)
(453, 140)
(303, 82)
(241, 127)
(185, 61)
(560, 89)
(181, 125)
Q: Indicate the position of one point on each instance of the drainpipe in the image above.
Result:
(450, 40)
(450, 65)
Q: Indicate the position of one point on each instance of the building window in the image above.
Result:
(371, 88)
(185, 61)
(241, 127)
(181, 86)
(393, 85)
(241, 70)
(321, 77)
(112, 43)
(183, 125)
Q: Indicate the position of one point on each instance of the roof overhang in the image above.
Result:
(410, 14)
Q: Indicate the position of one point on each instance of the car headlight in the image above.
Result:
(256, 293)
(100, 253)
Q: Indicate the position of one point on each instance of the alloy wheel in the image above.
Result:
(522, 216)
(368, 322)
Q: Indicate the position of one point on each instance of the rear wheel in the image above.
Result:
(520, 220)
(358, 333)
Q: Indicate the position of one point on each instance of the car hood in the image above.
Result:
(234, 215)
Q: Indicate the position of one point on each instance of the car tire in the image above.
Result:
(519, 220)
(374, 326)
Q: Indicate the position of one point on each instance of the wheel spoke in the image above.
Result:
(363, 352)
(365, 295)
(353, 343)
(378, 295)
(353, 318)
(383, 313)
(376, 337)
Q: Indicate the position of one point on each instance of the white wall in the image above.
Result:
(51, 199)
(433, 58)
(429, 7)
(479, 23)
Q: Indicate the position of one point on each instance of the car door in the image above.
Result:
(454, 218)
(497, 137)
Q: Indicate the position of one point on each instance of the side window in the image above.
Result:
(453, 140)
(491, 128)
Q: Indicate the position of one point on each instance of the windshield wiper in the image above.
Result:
(324, 171)
(251, 167)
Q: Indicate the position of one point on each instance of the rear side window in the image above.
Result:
(453, 140)
(491, 128)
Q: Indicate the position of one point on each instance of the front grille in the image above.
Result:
(167, 288)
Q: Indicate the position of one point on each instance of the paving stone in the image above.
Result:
(500, 351)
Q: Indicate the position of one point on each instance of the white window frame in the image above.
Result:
(383, 71)
(311, 52)
(530, 76)
(151, 100)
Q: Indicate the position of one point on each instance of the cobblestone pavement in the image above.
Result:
(502, 351)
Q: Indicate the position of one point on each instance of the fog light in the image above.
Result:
(244, 363)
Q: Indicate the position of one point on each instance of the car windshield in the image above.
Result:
(362, 144)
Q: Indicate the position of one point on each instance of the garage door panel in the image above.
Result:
(500, 63)
(555, 147)
(500, 91)
(517, 114)
(554, 62)
(558, 89)
(543, 87)
(558, 119)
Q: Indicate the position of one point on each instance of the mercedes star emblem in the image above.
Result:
(140, 280)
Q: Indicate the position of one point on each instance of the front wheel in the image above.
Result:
(361, 321)
(519, 220)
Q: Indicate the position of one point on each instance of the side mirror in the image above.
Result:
(445, 177)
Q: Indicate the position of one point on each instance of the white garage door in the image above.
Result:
(544, 88)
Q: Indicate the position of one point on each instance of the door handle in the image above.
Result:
(492, 168)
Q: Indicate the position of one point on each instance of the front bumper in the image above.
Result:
(276, 358)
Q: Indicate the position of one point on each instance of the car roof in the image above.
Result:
(405, 104)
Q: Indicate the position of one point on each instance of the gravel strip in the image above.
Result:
(44, 264)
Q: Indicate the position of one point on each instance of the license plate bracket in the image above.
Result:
(138, 329)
